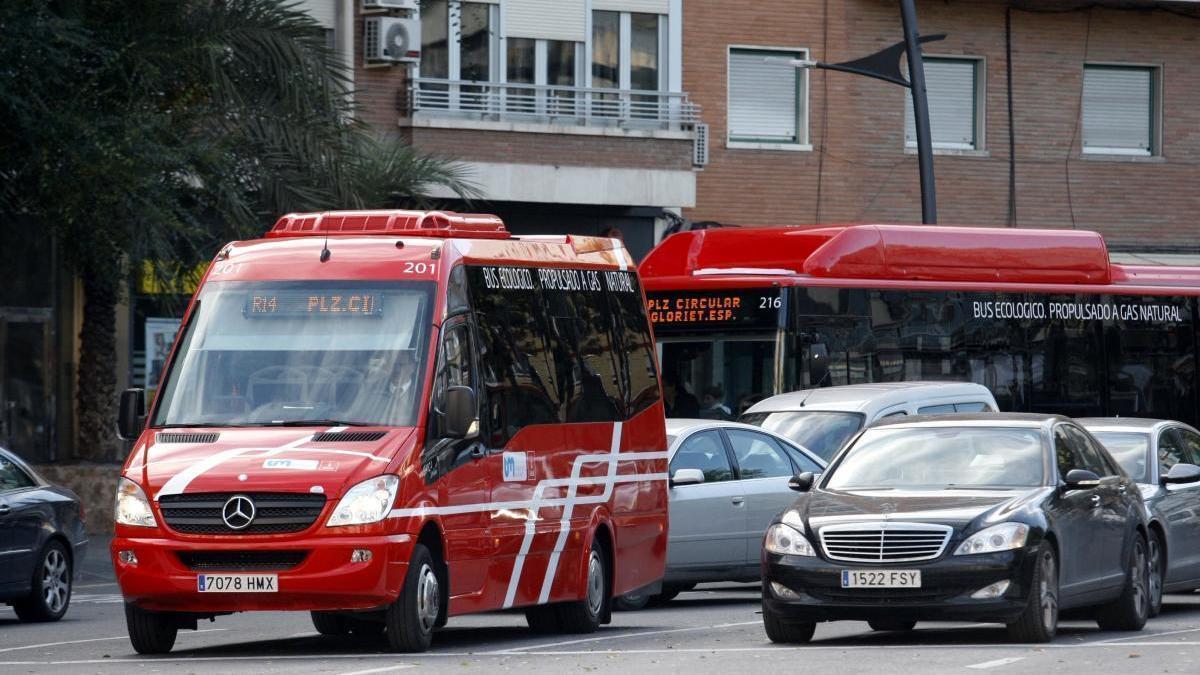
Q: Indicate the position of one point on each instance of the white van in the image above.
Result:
(822, 420)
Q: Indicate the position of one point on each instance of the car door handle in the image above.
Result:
(5, 509)
(1095, 500)
(738, 501)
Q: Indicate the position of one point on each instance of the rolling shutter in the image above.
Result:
(546, 19)
(1117, 109)
(647, 6)
(951, 88)
(763, 97)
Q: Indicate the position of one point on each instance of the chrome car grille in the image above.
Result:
(275, 512)
(884, 542)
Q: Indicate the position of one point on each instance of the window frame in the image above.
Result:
(1156, 112)
(497, 66)
(583, 56)
(771, 443)
(803, 142)
(978, 108)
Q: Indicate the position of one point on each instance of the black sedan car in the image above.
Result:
(1006, 518)
(42, 539)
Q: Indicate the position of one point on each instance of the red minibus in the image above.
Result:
(388, 418)
(1043, 318)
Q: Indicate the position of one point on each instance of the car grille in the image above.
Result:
(275, 512)
(241, 560)
(884, 542)
(884, 596)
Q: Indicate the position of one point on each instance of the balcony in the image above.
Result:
(617, 109)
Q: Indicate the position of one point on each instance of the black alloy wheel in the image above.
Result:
(1039, 620)
(1131, 609)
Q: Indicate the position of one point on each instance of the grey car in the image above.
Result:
(1162, 456)
(728, 481)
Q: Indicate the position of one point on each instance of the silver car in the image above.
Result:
(1162, 457)
(728, 481)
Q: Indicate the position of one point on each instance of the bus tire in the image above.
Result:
(150, 632)
(410, 619)
(586, 615)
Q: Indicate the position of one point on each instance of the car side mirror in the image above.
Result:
(1081, 479)
(687, 477)
(131, 416)
(460, 412)
(1182, 473)
(802, 482)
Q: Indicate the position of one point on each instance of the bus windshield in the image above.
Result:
(822, 432)
(320, 352)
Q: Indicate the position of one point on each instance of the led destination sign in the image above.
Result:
(727, 310)
(285, 304)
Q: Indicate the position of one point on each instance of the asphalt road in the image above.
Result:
(714, 629)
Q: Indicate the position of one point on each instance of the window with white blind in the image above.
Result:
(768, 98)
(955, 91)
(1120, 110)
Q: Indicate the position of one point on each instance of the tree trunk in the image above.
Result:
(96, 393)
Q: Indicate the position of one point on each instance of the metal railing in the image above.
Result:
(576, 106)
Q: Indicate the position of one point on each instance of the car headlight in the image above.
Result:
(786, 540)
(132, 507)
(1002, 537)
(368, 502)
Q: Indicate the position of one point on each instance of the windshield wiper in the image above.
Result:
(314, 423)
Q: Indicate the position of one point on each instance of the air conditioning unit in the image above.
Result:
(369, 5)
(388, 39)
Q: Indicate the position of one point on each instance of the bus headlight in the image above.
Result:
(132, 507)
(367, 502)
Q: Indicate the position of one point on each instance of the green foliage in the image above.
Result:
(158, 129)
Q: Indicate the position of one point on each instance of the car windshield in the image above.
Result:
(823, 433)
(260, 353)
(940, 458)
(1130, 449)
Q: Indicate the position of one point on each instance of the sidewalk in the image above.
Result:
(97, 565)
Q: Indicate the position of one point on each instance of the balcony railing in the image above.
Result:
(548, 104)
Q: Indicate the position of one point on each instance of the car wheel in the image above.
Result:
(671, 591)
(410, 619)
(886, 625)
(1158, 571)
(150, 632)
(51, 589)
(631, 602)
(1039, 620)
(329, 623)
(1131, 609)
(784, 631)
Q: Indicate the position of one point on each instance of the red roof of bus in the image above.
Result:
(910, 256)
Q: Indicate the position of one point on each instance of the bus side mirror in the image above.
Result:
(460, 412)
(131, 416)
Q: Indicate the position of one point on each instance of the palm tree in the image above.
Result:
(156, 129)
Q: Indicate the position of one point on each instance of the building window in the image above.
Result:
(767, 97)
(1120, 110)
(627, 50)
(955, 88)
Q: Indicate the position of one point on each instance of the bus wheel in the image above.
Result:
(150, 632)
(411, 618)
(585, 616)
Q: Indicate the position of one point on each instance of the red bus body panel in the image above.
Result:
(506, 544)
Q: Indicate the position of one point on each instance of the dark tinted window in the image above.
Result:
(1094, 455)
(1073, 452)
(561, 345)
(803, 462)
(704, 451)
(757, 455)
(1191, 445)
(1170, 451)
(12, 477)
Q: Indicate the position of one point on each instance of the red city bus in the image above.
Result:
(1041, 317)
(388, 418)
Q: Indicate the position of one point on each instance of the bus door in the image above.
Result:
(826, 351)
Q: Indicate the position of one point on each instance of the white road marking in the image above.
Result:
(1143, 636)
(385, 669)
(997, 663)
(97, 598)
(103, 639)
(107, 583)
(549, 645)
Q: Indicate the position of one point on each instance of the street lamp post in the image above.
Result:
(885, 65)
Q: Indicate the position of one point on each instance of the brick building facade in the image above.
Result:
(855, 166)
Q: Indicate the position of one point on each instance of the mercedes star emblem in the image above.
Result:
(238, 512)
